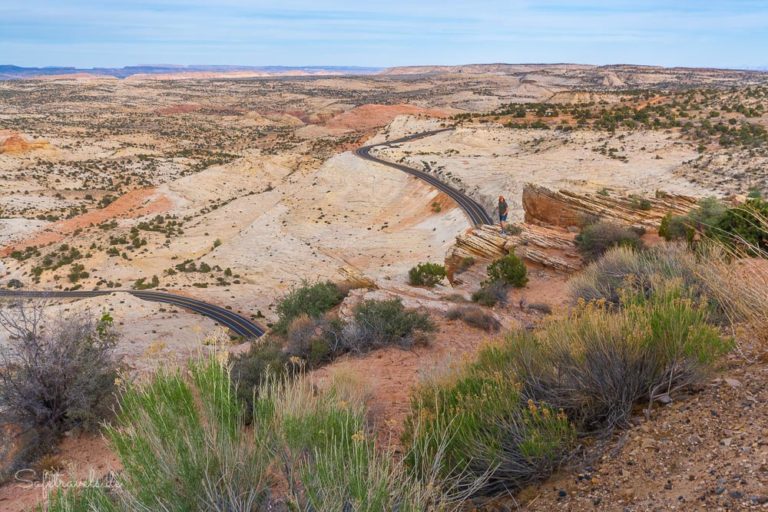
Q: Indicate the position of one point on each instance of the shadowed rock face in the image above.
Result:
(572, 210)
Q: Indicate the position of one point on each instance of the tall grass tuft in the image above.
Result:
(330, 456)
(82, 498)
(183, 444)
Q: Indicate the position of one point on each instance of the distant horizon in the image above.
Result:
(715, 34)
(365, 67)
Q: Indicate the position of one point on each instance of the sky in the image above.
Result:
(383, 33)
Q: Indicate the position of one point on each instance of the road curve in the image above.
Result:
(236, 323)
(473, 210)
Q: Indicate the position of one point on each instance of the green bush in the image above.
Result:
(509, 270)
(745, 225)
(491, 294)
(252, 369)
(380, 323)
(308, 299)
(676, 227)
(707, 215)
(595, 239)
(308, 339)
(485, 429)
(426, 274)
(598, 363)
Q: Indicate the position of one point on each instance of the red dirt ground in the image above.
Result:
(136, 203)
(366, 117)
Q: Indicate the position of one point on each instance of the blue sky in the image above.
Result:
(86, 33)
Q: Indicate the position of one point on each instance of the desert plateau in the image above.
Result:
(247, 281)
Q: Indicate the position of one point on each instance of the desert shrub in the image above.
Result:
(252, 369)
(426, 274)
(308, 338)
(597, 364)
(509, 270)
(595, 239)
(474, 317)
(183, 444)
(490, 433)
(622, 268)
(57, 374)
(708, 214)
(491, 294)
(676, 227)
(745, 225)
(308, 299)
(380, 323)
(329, 456)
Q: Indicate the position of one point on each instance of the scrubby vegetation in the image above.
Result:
(310, 342)
(509, 270)
(57, 375)
(743, 225)
(311, 299)
(605, 279)
(426, 274)
(513, 414)
(491, 294)
(595, 239)
(184, 445)
(474, 317)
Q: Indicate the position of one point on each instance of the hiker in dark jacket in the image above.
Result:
(503, 211)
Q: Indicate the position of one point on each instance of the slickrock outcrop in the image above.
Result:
(570, 209)
(16, 144)
(550, 247)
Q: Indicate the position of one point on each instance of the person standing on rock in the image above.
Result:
(503, 212)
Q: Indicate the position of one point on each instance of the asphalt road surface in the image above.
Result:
(473, 210)
(238, 324)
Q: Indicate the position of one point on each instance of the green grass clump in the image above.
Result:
(509, 270)
(83, 498)
(331, 458)
(426, 274)
(183, 445)
(308, 299)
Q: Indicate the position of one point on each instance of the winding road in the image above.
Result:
(473, 210)
(238, 323)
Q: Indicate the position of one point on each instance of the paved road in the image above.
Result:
(236, 323)
(474, 211)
